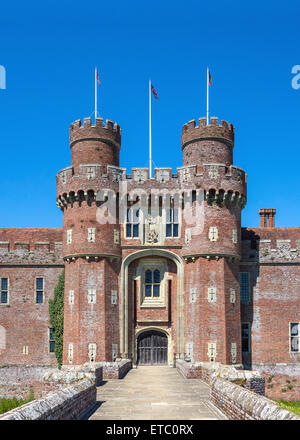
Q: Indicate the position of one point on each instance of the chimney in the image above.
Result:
(267, 217)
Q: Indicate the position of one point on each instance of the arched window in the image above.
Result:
(152, 283)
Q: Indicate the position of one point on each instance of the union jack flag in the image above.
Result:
(154, 91)
(97, 77)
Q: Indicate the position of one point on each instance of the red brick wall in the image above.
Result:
(25, 322)
(219, 321)
(274, 295)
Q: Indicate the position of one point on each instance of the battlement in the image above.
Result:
(191, 131)
(31, 246)
(85, 131)
(271, 245)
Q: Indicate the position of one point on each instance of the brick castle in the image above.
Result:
(155, 268)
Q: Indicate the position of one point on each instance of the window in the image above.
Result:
(213, 233)
(114, 352)
(70, 352)
(114, 297)
(39, 290)
(91, 235)
(212, 351)
(232, 295)
(212, 294)
(69, 236)
(92, 296)
(246, 337)
(71, 297)
(172, 222)
(92, 352)
(295, 337)
(25, 349)
(233, 352)
(132, 223)
(4, 291)
(152, 283)
(51, 340)
(244, 286)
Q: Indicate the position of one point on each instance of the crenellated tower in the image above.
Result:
(91, 247)
(213, 248)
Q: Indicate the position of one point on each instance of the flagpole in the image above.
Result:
(150, 139)
(207, 98)
(95, 93)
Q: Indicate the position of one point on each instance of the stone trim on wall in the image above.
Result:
(238, 403)
(67, 404)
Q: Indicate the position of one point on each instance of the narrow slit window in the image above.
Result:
(51, 340)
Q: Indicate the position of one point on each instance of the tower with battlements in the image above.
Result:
(158, 268)
(155, 269)
(91, 250)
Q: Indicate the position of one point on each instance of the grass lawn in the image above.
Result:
(289, 405)
(8, 404)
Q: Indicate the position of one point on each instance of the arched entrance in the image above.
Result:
(152, 348)
(124, 303)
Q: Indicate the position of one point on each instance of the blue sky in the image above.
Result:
(50, 49)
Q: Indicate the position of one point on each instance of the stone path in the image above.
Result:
(154, 393)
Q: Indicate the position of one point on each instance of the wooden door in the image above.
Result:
(153, 348)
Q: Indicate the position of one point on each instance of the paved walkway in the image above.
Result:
(154, 393)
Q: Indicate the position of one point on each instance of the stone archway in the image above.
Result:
(124, 296)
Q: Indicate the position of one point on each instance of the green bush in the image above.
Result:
(8, 404)
(289, 405)
(56, 312)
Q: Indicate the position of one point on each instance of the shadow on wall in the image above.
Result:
(247, 311)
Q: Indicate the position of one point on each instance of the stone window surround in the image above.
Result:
(8, 283)
(69, 236)
(92, 296)
(70, 352)
(212, 351)
(39, 290)
(290, 337)
(50, 339)
(212, 294)
(162, 222)
(71, 297)
(92, 351)
(91, 235)
(152, 264)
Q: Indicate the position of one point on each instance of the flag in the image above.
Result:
(154, 91)
(209, 78)
(97, 77)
